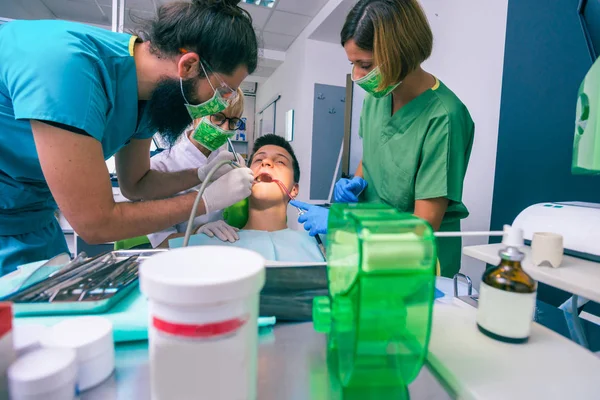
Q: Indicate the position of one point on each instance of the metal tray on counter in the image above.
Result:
(86, 306)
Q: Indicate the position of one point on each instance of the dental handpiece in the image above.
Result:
(235, 162)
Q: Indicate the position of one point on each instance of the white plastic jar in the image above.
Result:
(27, 337)
(92, 339)
(7, 353)
(203, 305)
(44, 374)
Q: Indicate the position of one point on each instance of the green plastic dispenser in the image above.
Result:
(381, 272)
(586, 144)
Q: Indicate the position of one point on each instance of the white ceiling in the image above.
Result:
(276, 27)
(330, 28)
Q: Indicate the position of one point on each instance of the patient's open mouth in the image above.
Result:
(266, 178)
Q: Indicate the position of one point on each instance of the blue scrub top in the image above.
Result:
(64, 73)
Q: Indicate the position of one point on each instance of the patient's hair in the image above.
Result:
(276, 140)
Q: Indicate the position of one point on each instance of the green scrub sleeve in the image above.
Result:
(443, 162)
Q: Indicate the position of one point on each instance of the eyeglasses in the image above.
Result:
(219, 119)
(224, 90)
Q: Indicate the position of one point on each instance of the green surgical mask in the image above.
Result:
(215, 104)
(211, 136)
(370, 83)
(212, 106)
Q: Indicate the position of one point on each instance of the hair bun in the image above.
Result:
(217, 3)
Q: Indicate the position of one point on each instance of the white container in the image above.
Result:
(7, 353)
(27, 337)
(203, 334)
(92, 340)
(44, 374)
(547, 249)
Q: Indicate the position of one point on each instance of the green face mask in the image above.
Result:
(370, 83)
(215, 104)
(211, 136)
(212, 106)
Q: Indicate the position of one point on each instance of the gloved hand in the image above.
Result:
(232, 187)
(220, 229)
(224, 155)
(314, 219)
(348, 190)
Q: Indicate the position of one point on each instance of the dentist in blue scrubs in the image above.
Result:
(72, 95)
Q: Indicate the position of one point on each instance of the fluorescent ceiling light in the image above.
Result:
(261, 3)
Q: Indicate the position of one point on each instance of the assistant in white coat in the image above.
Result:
(184, 155)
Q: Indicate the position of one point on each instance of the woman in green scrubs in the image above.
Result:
(417, 134)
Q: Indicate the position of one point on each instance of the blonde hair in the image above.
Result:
(396, 31)
(236, 110)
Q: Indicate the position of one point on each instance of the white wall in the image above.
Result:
(358, 97)
(307, 62)
(249, 114)
(468, 56)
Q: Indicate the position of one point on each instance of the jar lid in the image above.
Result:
(202, 275)
(89, 336)
(42, 371)
(27, 336)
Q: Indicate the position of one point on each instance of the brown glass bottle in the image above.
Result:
(507, 295)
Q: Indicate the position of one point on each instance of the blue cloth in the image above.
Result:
(64, 73)
(283, 245)
(314, 219)
(438, 293)
(129, 318)
(42, 244)
(348, 190)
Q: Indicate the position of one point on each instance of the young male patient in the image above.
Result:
(266, 231)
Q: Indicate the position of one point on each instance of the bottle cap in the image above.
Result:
(513, 237)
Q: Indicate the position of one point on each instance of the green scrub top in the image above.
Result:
(420, 152)
(71, 75)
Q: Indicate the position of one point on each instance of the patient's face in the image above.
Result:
(277, 162)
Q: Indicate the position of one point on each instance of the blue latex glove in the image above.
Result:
(348, 190)
(314, 219)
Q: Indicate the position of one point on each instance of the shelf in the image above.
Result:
(239, 141)
(474, 366)
(575, 275)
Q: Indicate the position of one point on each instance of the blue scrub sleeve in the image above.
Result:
(62, 88)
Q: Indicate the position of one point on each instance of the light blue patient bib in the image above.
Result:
(284, 245)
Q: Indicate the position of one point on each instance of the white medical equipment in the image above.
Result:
(577, 222)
